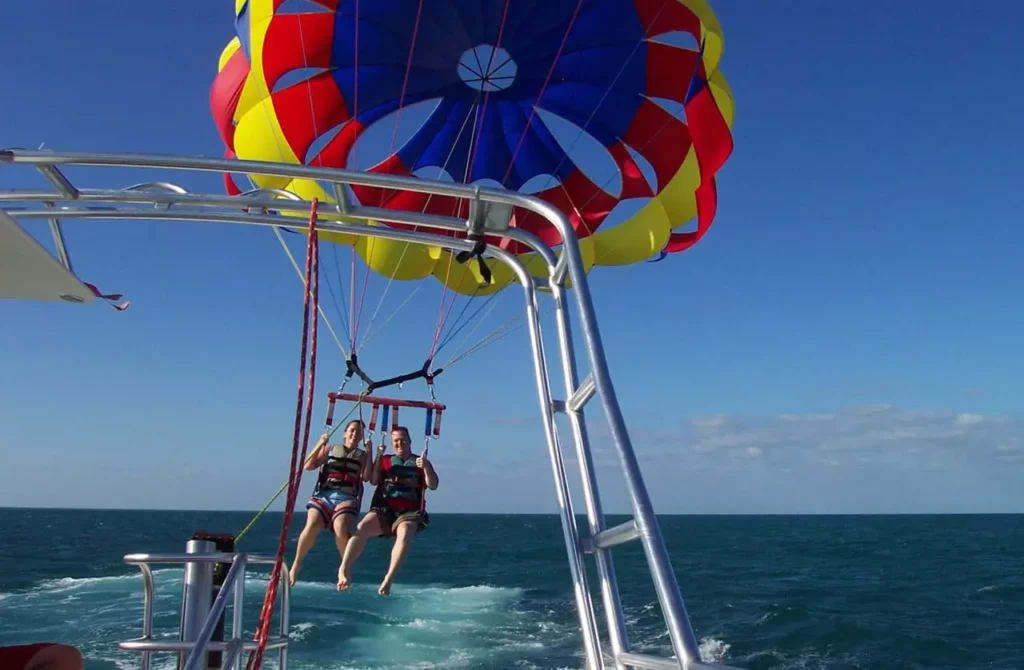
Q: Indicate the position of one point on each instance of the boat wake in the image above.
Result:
(419, 626)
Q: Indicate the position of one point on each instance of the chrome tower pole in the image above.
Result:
(196, 597)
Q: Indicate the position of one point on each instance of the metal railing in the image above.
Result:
(194, 646)
(489, 211)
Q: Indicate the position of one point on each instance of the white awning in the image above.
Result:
(30, 272)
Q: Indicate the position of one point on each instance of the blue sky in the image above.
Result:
(845, 339)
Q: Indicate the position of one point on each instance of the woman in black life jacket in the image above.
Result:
(339, 491)
(397, 508)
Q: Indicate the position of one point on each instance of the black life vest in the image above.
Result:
(342, 471)
(401, 485)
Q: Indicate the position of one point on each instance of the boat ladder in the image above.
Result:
(642, 526)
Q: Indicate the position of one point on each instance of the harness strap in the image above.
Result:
(479, 246)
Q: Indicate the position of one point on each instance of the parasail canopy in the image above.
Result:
(511, 93)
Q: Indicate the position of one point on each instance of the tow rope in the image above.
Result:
(301, 435)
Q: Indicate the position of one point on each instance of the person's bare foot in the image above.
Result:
(385, 586)
(344, 581)
(293, 575)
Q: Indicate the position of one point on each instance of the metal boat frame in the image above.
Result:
(199, 616)
(489, 212)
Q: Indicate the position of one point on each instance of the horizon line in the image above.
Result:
(553, 513)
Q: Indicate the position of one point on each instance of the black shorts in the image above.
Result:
(389, 517)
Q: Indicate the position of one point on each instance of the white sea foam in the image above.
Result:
(713, 650)
(418, 626)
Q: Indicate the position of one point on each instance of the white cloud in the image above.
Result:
(868, 459)
(969, 419)
(902, 438)
(879, 458)
(869, 434)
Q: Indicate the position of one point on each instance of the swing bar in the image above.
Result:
(386, 402)
(435, 410)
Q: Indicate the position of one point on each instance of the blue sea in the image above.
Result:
(493, 591)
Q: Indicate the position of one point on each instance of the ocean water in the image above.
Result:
(492, 591)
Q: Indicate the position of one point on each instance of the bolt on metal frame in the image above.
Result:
(165, 201)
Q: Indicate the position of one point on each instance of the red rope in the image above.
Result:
(355, 86)
(547, 80)
(440, 308)
(405, 79)
(473, 147)
(352, 165)
(391, 151)
(312, 295)
(444, 322)
(487, 94)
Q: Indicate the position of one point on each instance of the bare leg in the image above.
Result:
(314, 524)
(56, 657)
(368, 527)
(342, 533)
(404, 533)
